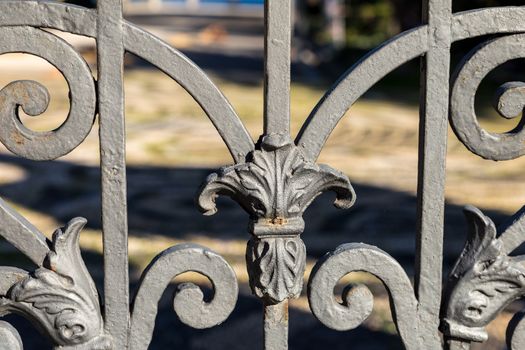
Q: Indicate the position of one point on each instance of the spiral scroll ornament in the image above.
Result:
(510, 100)
(33, 97)
(358, 300)
(188, 302)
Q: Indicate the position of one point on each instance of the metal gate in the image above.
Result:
(274, 180)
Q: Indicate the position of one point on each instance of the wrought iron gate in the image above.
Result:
(274, 180)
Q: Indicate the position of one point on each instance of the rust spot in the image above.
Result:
(18, 138)
(277, 221)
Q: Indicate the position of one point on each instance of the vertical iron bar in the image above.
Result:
(431, 170)
(276, 326)
(277, 41)
(113, 169)
(277, 18)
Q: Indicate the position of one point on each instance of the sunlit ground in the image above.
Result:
(375, 144)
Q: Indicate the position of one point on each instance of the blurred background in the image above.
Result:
(172, 147)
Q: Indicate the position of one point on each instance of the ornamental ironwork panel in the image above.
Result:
(274, 180)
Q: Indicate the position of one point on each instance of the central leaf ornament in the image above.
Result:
(275, 186)
(276, 267)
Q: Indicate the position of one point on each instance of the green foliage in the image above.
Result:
(369, 22)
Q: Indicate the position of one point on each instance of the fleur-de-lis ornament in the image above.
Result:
(275, 186)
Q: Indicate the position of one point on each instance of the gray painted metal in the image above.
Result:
(10, 337)
(277, 15)
(188, 301)
(431, 168)
(273, 180)
(110, 60)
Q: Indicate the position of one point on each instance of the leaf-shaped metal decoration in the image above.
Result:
(275, 186)
(60, 297)
(278, 266)
(485, 278)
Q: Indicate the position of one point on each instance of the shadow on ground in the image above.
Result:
(161, 202)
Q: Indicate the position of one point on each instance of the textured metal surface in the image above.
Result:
(510, 100)
(10, 337)
(485, 279)
(389, 56)
(274, 180)
(277, 16)
(33, 98)
(188, 301)
(275, 186)
(110, 60)
(361, 257)
(431, 168)
(59, 297)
